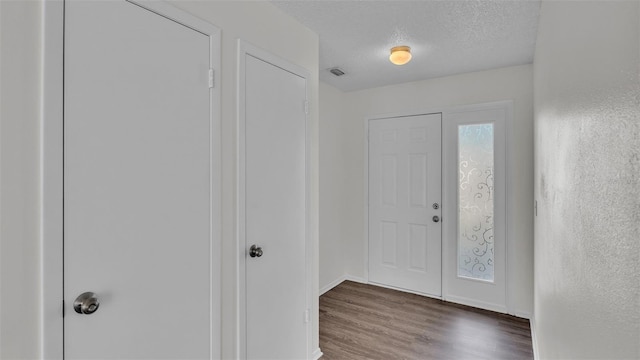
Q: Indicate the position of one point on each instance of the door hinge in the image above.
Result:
(62, 308)
(211, 77)
(306, 107)
(307, 316)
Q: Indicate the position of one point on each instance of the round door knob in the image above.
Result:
(255, 251)
(87, 303)
(436, 218)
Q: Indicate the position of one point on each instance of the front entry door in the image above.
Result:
(273, 211)
(137, 186)
(405, 203)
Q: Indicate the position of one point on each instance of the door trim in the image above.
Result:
(51, 185)
(446, 111)
(246, 49)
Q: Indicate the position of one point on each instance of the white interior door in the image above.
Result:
(405, 203)
(137, 185)
(273, 211)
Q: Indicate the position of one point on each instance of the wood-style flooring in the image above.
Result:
(359, 321)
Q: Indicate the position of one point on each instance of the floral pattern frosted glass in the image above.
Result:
(475, 201)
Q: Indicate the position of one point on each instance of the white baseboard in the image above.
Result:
(534, 339)
(339, 281)
(522, 314)
(317, 354)
(406, 291)
(333, 284)
(475, 303)
(356, 279)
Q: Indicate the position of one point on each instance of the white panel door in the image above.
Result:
(405, 203)
(275, 212)
(137, 184)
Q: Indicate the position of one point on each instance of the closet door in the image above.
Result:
(273, 206)
(139, 252)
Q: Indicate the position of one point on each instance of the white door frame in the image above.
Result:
(246, 49)
(446, 188)
(52, 196)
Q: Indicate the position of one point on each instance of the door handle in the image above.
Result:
(255, 251)
(86, 303)
(436, 218)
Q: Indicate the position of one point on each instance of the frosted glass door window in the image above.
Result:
(476, 201)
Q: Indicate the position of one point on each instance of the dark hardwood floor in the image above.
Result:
(359, 321)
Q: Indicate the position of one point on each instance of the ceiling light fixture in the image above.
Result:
(336, 71)
(400, 55)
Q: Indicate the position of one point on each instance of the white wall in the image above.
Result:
(19, 179)
(332, 141)
(511, 83)
(259, 23)
(587, 253)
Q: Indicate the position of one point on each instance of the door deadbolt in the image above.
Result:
(436, 206)
(255, 251)
(87, 303)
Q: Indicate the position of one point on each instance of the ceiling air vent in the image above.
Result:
(336, 71)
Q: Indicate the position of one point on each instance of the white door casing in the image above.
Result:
(141, 182)
(404, 187)
(274, 317)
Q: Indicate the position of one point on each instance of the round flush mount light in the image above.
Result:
(400, 55)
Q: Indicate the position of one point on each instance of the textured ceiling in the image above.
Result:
(446, 37)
